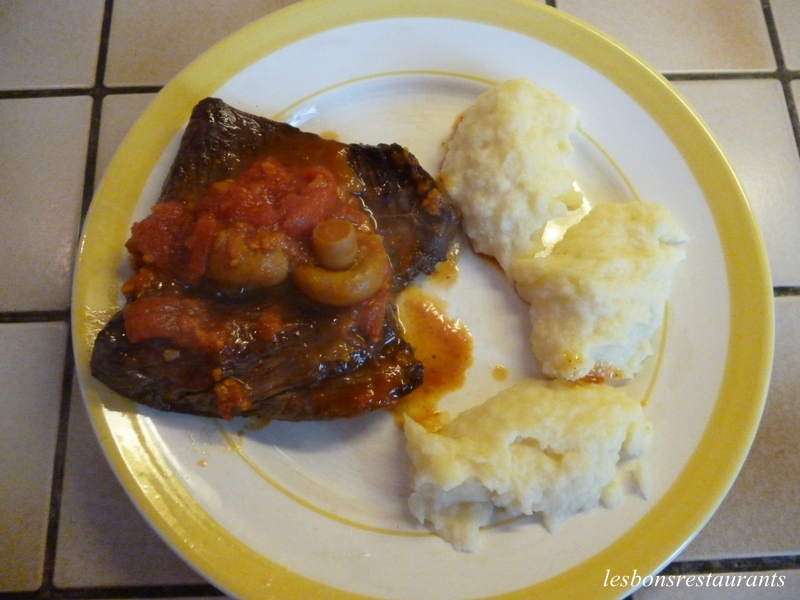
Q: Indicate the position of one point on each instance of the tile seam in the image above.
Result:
(199, 590)
(33, 316)
(734, 565)
(59, 465)
(784, 75)
(97, 107)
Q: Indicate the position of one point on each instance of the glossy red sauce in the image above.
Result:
(443, 345)
(270, 209)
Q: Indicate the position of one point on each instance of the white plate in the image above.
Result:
(318, 509)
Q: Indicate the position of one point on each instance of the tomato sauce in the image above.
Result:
(213, 273)
(443, 345)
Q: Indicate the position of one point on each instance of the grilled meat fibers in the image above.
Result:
(318, 364)
(318, 369)
(415, 219)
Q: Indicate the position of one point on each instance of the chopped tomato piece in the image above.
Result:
(199, 244)
(270, 325)
(251, 197)
(159, 239)
(269, 178)
(186, 322)
(231, 394)
(141, 282)
(315, 203)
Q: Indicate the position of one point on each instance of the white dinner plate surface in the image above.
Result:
(318, 510)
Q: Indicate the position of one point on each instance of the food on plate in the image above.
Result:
(505, 167)
(443, 344)
(596, 279)
(264, 277)
(597, 291)
(540, 447)
(597, 299)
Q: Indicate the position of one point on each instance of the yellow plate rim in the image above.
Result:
(712, 468)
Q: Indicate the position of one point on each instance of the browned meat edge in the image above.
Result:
(418, 223)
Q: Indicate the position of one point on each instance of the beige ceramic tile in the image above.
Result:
(152, 40)
(43, 145)
(761, 514)
(102, 538)
(750, 120)
(761, 585)
(49, 43)
(684, 35)
(787, 21)
(119, 114)
(31, 369)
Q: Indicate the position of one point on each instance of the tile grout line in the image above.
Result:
(99, 90)
(59, 461)
(786, 291)
(97, 94)
(785, 76)
(734, 565)
(147, 591)
(34, 316)
(727, 75)
(59, 466)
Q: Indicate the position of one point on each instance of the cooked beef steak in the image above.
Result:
(318, 364)
(417, 221)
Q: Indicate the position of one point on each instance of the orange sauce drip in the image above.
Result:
(443, 345)
(446, 272)
(500, 373)
(329, 134)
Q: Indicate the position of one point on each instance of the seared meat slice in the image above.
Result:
(317, 362)
(417, 221)
(317, 370)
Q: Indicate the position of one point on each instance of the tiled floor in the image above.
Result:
(66, 527)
